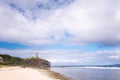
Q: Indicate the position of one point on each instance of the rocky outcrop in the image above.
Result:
(37, 63)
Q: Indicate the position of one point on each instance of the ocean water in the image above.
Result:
(89, 73)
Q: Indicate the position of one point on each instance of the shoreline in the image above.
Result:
(89, 67)
(27, 73)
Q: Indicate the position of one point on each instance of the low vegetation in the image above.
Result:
(28, 62)
(1, 66)
(37, 62)
(55, 75)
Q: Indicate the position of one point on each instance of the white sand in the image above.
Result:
(18, 73)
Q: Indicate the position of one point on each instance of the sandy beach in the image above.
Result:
(19, 73)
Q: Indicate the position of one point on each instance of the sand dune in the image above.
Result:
(19, 73)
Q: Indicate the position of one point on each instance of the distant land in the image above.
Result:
(112, 65)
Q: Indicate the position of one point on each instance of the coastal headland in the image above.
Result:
(15, 68)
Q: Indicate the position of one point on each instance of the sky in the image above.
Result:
(65, 32)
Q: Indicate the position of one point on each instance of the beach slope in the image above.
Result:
(19, 73)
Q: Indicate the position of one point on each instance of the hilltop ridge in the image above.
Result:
(26, 62)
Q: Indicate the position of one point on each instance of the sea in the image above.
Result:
(89, 73)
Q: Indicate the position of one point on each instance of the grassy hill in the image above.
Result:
(28, 62)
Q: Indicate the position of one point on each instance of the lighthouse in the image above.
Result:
(36, 54)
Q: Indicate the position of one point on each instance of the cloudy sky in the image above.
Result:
(77, 32)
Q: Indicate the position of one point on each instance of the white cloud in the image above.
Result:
(86, 21)
(114, 57)
(64, 61)
(92, 22)
(17, 28)
(24, 53)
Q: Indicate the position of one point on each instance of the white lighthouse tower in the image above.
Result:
(36, 54)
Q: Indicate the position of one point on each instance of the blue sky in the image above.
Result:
(66, 32)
